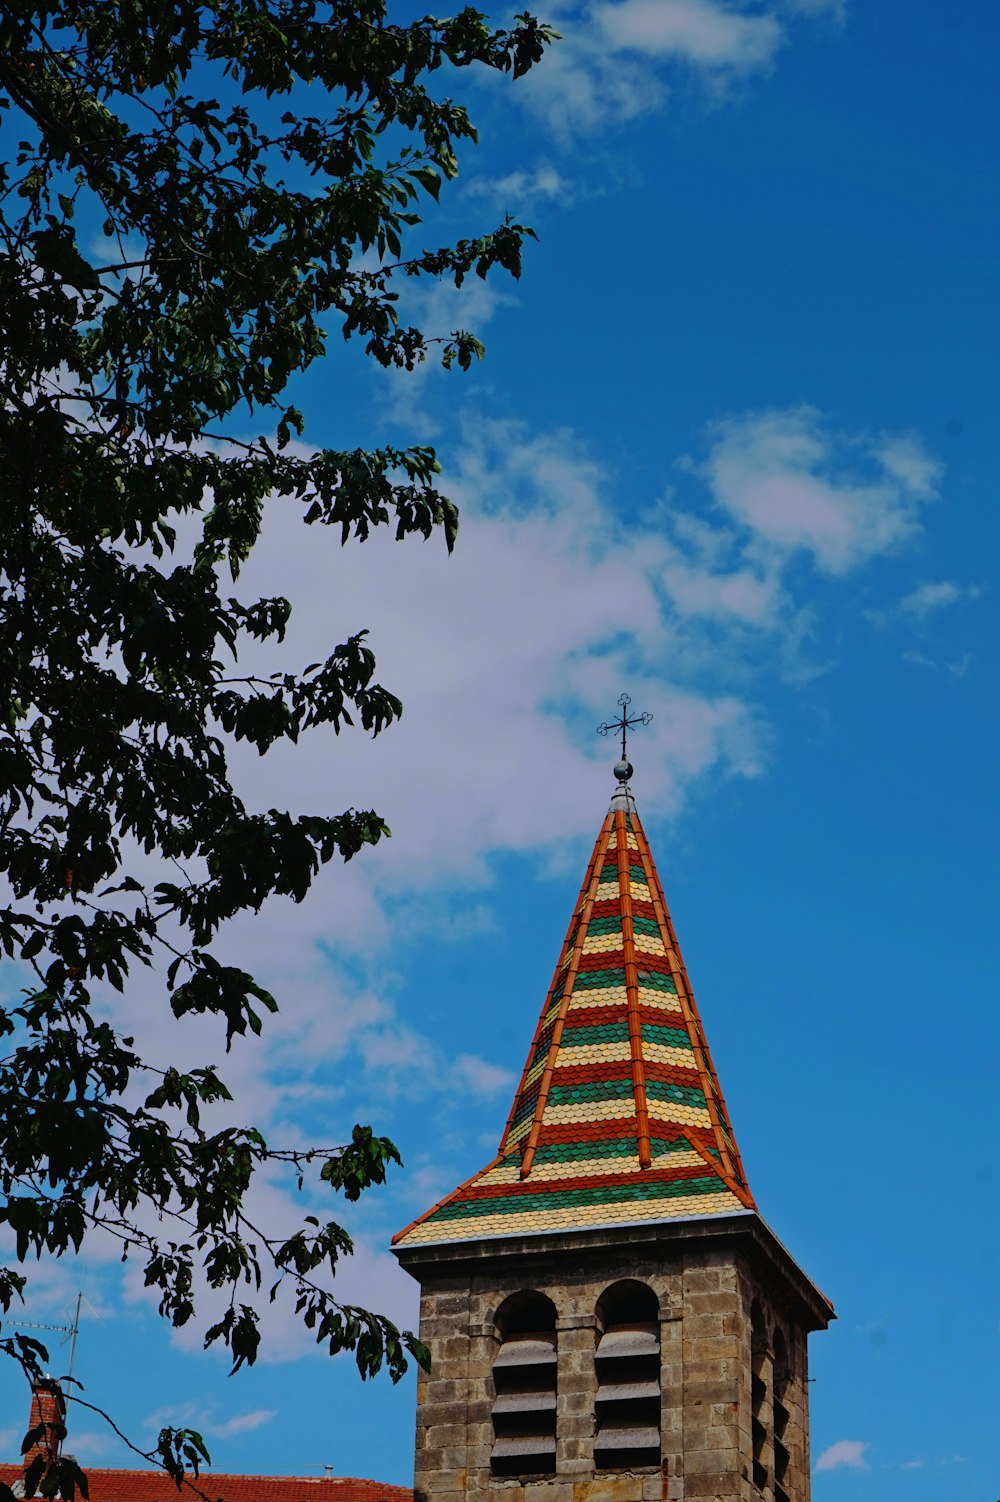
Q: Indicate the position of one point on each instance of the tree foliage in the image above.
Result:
(193, 199)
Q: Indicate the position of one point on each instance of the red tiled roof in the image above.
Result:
(156, 1486)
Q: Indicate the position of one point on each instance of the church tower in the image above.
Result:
(609, 1318)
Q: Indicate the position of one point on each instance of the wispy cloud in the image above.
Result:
(926, 599)
(206, 1422)
(241, 1423)
(849, 1453)
(957, 667)
(918, 1463)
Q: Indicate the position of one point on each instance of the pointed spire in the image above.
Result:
(618, 1116)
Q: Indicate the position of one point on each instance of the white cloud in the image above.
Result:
(584, 86)
(846, 1452)
(798, 488)
(545, 607)
(698, 32)
(478, 1078)
(904, 457)
(517, 191)
(620, 58)
(742, 593)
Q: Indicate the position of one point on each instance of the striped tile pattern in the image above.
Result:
(618, 1116)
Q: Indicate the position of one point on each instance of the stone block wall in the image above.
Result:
(712, 1300)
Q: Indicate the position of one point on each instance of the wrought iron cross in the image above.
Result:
(624, 722)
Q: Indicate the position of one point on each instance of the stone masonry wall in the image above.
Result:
(706, 1295)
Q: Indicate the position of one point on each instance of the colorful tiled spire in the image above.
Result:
(618, 1117)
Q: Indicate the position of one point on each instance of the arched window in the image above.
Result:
(628, 1378)
(524, 1379)
(782, 1377)
(758, 1395)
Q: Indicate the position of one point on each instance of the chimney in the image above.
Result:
(48, 1414)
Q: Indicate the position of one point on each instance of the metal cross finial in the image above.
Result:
(624, 722)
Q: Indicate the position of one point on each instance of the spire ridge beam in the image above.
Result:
(732, 1166)
(632, 993)
(565, 954)
(585, 910)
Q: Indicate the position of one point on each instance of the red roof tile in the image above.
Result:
(156, 1486)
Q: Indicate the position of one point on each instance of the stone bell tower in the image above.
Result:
(608, 1316)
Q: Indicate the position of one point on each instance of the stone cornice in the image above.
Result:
(745, 1232)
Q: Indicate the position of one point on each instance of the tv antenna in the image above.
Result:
(68, 1332)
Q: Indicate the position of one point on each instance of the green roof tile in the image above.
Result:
(523, 1201)
(670, 1037)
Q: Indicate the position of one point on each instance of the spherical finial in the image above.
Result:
(624, 770)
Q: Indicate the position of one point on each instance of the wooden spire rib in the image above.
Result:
(731, 1168)
(540, 1028)
(632, 992)
(591, 883)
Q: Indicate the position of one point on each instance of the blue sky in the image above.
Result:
(732, 450)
